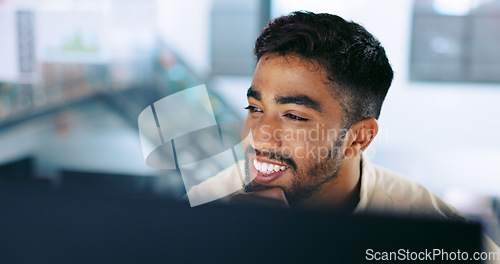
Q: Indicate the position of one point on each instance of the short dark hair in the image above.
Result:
(352, 57)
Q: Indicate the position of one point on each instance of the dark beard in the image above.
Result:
(305, 181)
(316, 175)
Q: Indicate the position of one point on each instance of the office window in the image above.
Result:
(455, 41)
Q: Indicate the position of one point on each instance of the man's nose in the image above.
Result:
(267, 134)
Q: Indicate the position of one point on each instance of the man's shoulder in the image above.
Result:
(392, 192)
(415, 200)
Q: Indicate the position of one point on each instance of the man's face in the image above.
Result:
(295, 123)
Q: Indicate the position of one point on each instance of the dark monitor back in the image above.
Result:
(65, 227)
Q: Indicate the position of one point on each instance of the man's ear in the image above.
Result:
(360, 136)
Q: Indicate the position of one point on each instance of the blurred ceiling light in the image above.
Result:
(456, 7)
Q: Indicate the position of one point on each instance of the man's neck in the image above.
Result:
(341, 193)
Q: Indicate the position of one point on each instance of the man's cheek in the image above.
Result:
(323, 152)
(246, 138)
(296, 152)
(305, 152)
(246, 131)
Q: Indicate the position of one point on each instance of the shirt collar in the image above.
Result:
(367, 182)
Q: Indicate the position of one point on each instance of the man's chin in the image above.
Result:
(255, 186)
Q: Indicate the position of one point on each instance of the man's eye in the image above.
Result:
(253, 109)
(294, 117)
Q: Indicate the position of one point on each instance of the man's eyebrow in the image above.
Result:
(254, 94)
(299, 100)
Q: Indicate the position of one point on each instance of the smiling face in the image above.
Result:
(296, 138)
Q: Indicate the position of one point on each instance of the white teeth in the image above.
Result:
(263, 167)
(266, 168)
(256, 164)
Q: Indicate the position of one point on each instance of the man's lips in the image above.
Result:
(266, 171)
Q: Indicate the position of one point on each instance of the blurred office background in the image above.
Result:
(74, 76)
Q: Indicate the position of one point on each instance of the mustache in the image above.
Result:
(281, 158)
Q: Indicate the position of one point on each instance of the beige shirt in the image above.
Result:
(382, 192)
(386, 192)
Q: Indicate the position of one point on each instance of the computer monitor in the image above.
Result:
(73, 227)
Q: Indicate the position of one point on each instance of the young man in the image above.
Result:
(314, 101)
